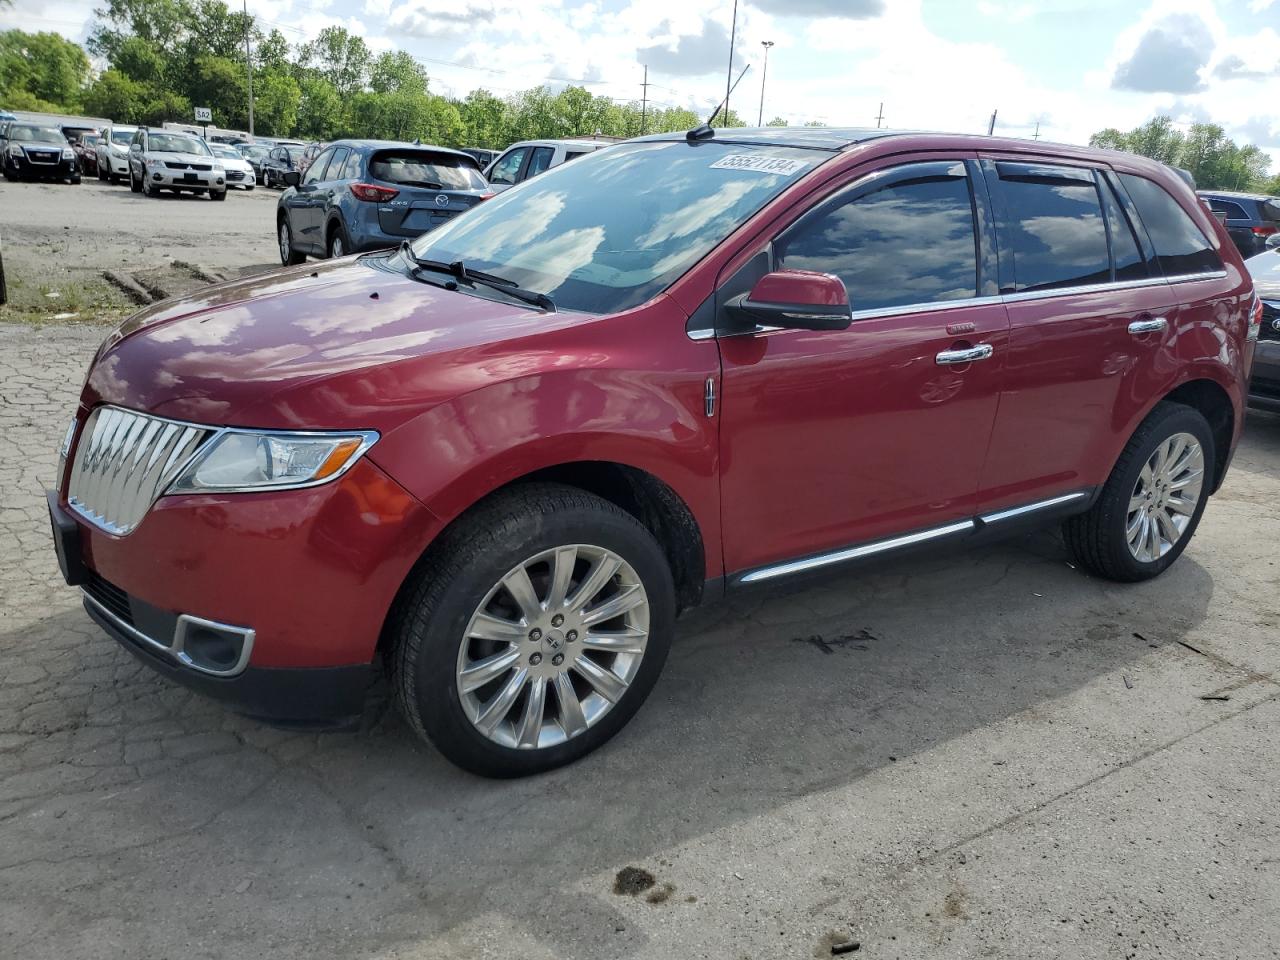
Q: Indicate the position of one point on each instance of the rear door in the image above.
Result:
(431, 187)
(1090, 319)
(835, 438)
(308, 204)
(540, 159)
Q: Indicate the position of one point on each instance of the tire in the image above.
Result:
(218, 196)
(284, 240)
(134, 185)
(103, 175)
(461, 580)
(1100, 539)
(249, 188)
(74, 181)
(339, 245)
(147, 189)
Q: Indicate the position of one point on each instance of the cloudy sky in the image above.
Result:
(1074, 66)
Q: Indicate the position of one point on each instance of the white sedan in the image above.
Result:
(239, 170)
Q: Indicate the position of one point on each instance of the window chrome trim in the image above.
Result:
(1032, 507)
(851, 553)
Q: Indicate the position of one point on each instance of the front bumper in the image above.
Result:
(309, 575)
(24, 167)
(186, 179)
(1264, 382)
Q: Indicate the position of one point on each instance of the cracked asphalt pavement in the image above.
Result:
(976, 755)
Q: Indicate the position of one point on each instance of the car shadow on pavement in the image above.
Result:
(764, 699)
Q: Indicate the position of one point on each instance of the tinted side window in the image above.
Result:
(1180, 246)
(540, 160)
(506, 169)
(1127, 258)
(351, 169)
(336, 163)
(1054, 224)
(1233, 210)
(316, 170)
(911, 241)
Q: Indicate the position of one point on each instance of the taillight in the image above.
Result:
(1255, 318)
(373, 193)
(487, 196)
(1263, 231)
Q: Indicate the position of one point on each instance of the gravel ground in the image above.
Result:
(983, 755)
(58, 239)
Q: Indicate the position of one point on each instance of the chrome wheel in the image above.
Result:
(553, 647)
(336, 249)
(286, 246)
(1165, 497)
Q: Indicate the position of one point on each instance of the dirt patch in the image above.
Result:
(953, 905)
(632, 881)
(855, 641)
(661, 894)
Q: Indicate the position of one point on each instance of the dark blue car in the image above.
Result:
(360, 195)
(1249, 217)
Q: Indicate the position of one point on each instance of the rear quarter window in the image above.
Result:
(1271, 209)
(1182, 249)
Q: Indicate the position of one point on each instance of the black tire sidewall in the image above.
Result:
(1115, 495)
(438, 702)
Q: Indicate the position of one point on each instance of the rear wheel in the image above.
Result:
(1151, 504)
(534, 631)
(338, 246)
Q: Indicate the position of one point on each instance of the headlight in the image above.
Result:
(151, 162)
(68, 154)
(243, 461)
(217, 169)
(15, 151)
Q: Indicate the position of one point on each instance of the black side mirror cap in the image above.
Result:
(292, 177)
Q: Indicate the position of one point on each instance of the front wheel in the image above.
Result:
(288, 256)
(1151, 504)
(221, 195)
(533, 632)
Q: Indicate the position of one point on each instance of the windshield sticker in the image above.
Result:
(781, 166)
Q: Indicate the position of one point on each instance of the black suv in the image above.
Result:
(36, 151)
(1249, 217)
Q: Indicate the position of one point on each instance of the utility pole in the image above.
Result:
(644, 99)
(880, 115)
(248, 62)
(763, 76)
(991, 127)
(1036, 135)
(728, 83)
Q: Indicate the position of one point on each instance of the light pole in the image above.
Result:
(728, 83)
(764, 75)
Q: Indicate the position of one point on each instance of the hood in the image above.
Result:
(342, 344)
(180, 157)
(40, 144)
(1265, 270)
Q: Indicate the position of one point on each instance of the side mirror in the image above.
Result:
(292, 177)
(797, 300)
(1273, 242)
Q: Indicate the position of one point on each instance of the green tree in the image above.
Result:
(484, 119)
(220, 84)
(1215, 160)
(340, 57)
(277, 98)
(272, 53)
(397, 72)
(320, 113)
(46, 66)
(116, 96)
(776, 122)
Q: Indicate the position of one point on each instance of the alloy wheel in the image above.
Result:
(286, 247)
(1165, 497)
(553, 646)
(336, 249)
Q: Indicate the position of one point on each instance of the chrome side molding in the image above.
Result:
(1032, 507)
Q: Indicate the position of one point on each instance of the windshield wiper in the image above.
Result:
(459, 271)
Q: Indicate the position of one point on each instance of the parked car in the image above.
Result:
(255, 154)
(1264, 386)
(74, 133)
(503, 456)
(280, 160)
(309, 154)
(366, 194)
(112, 152)
(37, 151)
(6, 115)
(238, 170)
(482, 156)
(520, 161)
(165, 160)
(86, 148)
(1250, 218)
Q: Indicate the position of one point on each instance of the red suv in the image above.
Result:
(502, 458)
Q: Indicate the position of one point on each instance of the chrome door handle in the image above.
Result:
(1148, 326)
(982, 351)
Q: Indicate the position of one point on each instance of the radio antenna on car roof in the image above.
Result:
(705, 132)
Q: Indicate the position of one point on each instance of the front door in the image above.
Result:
(836, 438)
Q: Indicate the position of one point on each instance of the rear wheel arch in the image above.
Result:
(1214, 404)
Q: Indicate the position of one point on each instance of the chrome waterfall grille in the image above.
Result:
(124, 462)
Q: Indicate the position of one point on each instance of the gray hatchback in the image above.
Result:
(363, 195)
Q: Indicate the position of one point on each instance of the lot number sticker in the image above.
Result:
(781, 166)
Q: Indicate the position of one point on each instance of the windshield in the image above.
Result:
(295, 153)
(250, 150)
(613, 229)
(175, 143)
(37, 134)
(422, 167)
(121, 136)
(222, 150)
